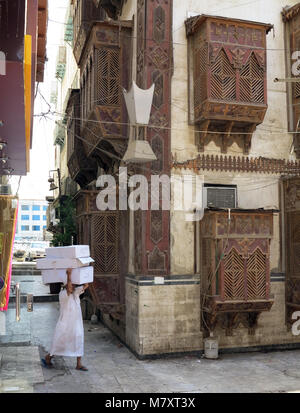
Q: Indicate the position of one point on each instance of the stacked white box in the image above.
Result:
(49, 263)
(82, 275)
(74, 251)
(59, 259)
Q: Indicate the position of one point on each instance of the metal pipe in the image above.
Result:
(18, 302)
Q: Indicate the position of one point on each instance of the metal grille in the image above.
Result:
(221, 197)
(256, 275)
(234, 276)
(252, 82)
(223, 79)
(105, 242)
(108, 76)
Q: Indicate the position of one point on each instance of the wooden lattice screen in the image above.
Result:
(200, 69)
(235, 267)
(245, 278)
(105, 242)
(223, 79)
(292, 245)
(108, 76)
(252, 82)
(230, 84)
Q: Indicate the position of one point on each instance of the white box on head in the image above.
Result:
(54, 263)
(74, 251)
(82, 275)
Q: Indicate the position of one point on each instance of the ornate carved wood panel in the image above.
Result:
(240, 164)
(105, 70)
(235, 267)
(292, 245)
(228, 77)
(105, 242)
(81, 170)
(291, 18)
(108, 76)
(155, 64)
(107, 234)
(85, 13)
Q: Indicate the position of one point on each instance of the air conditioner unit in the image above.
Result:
(5, 189)
(220, 197)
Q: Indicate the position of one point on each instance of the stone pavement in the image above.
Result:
(20, 369)
(114, 369)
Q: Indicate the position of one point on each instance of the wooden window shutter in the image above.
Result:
(105, 242)
(245, 278)
(223, 78)
(200, 75)
(108, 76)
(252, 82)
(234, 276)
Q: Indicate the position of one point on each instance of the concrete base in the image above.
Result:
(0, 360)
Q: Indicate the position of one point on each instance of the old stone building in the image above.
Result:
(164, 283)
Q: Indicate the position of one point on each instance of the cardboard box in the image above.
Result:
(79, 276)
(53, 263)
(74, 251)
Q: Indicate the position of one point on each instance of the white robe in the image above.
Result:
(68, 337)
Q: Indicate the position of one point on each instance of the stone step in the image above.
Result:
(47, 298)
(26, 272)
(25, 269)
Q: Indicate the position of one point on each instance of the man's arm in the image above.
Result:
(69, 282)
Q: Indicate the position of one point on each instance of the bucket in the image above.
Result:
(211, 348)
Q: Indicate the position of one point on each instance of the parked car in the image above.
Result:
(37, 250)
(20, 255)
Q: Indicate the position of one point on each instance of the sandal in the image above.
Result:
(82, 368)
(45, 364)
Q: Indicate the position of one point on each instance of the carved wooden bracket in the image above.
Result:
(201, 134)
(231, 321)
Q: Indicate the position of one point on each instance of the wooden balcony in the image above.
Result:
(227, 71)
(105, 70)
(235, 259)
(85, 13)
(81, 170)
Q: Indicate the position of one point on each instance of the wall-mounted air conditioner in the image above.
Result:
(5, 189)
(219, 196)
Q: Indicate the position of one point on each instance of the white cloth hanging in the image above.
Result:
(68, 337)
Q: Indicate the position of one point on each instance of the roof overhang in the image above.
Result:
(289, 13)
(42, 34)
(193, 23)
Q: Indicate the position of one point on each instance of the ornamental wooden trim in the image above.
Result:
(239, 164)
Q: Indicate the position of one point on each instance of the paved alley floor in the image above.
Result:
(114, 369)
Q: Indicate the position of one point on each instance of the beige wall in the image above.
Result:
(163, 318)
(166, 319)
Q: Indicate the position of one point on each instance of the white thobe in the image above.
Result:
(68, 337)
